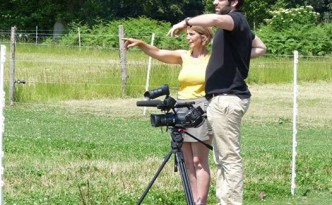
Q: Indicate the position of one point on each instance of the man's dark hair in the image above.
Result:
(239, 3)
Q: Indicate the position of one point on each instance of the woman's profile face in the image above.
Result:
(194, 38)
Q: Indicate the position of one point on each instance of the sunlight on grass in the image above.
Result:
(105, 151)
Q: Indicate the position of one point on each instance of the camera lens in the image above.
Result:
(169, 119)
(156, 120)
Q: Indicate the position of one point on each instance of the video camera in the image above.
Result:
(191, 118)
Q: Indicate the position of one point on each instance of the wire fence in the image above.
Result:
(51, 38)
(98, 69)
(45, 73)
(29, 36)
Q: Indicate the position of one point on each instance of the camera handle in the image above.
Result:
(176, 149)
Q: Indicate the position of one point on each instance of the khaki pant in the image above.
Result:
(224, 114)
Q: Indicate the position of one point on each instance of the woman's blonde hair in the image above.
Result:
(205, 31)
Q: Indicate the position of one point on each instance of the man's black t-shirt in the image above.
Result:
(228, 66)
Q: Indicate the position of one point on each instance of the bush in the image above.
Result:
(308, 40)
(288, 30)
(105, 34)
(283, 19)
(296, 29)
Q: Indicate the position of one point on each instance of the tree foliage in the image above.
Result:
(258, 11)
(28, 14)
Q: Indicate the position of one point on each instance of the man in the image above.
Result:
(227, 90)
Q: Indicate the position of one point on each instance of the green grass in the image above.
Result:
(106, 152)
(277, 69)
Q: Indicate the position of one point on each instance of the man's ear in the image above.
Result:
(234, 3)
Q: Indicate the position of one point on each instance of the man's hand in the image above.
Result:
(177, 29)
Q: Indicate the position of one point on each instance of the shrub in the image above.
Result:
(105, 34)
(283, 19)
(296, 29)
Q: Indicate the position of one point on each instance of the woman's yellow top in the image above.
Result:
(192, 77)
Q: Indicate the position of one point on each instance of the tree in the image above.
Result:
(172, 10)
(257, 11)
(28, 14)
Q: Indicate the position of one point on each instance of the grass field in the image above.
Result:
(104, 151)
(73, 137)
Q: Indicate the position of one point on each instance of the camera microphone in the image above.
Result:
(149, 103)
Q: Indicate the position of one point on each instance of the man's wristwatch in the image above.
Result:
(186, 20)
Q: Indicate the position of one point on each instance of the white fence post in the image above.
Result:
(295, 113)
(148, 73)
(123, 59)
(36, 35)
(2, 118)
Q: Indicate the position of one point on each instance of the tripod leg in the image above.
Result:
(184, 177)
(154, 178)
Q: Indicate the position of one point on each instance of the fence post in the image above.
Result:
(148, 73)
(295, 113)
(79, 37)
(123, 61)
(149, 66)
(36, 35)
(12, 66)
(2, 118)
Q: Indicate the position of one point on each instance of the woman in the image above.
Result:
(191, 88)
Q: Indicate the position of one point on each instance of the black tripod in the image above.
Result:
(176, 145)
